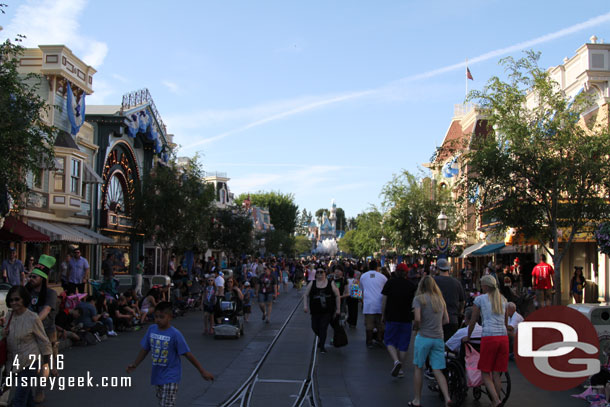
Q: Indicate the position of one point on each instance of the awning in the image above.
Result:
(468, 251)
(90, 176)
(488, 249)
(99, 238)
(68, 233)
(517, 249)
(16, 231)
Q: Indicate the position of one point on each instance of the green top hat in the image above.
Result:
(44, 266)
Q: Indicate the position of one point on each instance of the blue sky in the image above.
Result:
(320, 99)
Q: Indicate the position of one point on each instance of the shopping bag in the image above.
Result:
(355, 291)
(473, 373)
(340, 336)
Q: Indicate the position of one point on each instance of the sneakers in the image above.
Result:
(112, 333)
(396, 368)
(429, 374)
(401, 374)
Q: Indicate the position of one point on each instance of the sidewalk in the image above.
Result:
(354, 376)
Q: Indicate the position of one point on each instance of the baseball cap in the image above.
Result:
(442, 264)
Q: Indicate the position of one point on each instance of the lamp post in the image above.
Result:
(442, 242)
(383, 242)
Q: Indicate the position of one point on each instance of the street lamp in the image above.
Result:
(442, 242)
(383, 241)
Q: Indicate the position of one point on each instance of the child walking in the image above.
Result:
(167, 345)
(248, 294)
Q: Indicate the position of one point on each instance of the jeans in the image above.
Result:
(23, 394)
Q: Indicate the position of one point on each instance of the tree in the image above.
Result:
(341, 219)
(543, 169)
(303, 221)
(413, 206)
(173, 207)
(282, 209)
(366, 238)
(320, 215)
(232, 231)
(301, 245)
(346, 243)
(25, 136)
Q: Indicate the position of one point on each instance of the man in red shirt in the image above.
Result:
(542, 282)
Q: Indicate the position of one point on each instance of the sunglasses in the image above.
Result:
(34, 276)
(13, 299)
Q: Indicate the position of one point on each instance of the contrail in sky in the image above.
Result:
(595, 21)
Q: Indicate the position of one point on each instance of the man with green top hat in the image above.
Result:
(44, 303)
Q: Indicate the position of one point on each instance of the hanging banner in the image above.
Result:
(76, 110)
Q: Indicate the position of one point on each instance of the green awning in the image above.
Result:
(488, 249)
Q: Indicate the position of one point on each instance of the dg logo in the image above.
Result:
(557, 348)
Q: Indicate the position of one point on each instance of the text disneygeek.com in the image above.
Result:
(62, 383)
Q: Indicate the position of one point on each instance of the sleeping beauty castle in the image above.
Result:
(325, 235)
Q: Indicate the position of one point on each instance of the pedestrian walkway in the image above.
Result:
(354, 376)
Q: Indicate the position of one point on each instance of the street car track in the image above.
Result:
(307, 392)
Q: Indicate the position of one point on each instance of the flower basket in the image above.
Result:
(602, 236)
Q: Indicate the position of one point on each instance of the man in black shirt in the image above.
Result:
(397, 314)
(453, 293)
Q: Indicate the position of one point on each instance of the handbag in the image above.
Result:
(4, 345)
(473, 374)
(340, 336)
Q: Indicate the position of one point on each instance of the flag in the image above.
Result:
(468, 74)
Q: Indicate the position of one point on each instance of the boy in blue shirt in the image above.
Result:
(167, 345)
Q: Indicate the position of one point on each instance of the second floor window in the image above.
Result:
(75, 177)
(59, 174)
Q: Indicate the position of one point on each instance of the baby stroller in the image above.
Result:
(229, 318)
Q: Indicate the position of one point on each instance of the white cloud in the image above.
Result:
(172, 86)
(393, 90)
(56, 22)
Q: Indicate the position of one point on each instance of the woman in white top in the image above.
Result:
(491, 306)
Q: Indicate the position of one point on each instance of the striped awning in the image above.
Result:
(68, 233)
(488, 249)
(468, 251)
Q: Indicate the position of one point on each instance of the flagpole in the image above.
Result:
(466, 77)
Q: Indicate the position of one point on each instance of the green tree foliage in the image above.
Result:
(541, 168)
(301, 245)
(303, 221)
(278, 241)
(320, 215)
(25, 137)
(232, 231)
(365, 239)
(413, 206)
(173, 207)
(341, 221)
(282, 209)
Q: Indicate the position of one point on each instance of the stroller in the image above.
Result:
(229, 318)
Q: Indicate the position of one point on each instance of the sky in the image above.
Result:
(323, 100)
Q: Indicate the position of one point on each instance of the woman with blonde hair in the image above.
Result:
(492, 307)
(430, 314)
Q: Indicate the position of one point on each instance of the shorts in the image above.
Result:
(265, 297)
(286, 280)
(543, 295)
(433, 348)
(398, 335)
(166, 394)
(494, 354)
(372, 321)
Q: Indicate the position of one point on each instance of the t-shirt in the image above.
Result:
(51, 300)
(166, 347)
(140, 268)
(542, 275)
(493, 324)
(267, 283)
(455, 342)
(219, 281)
(372, 283)
(431, 324)
(88, 311)
(13, 271)
(515, 320)
(77, 270)
(399, 303)
(453, 293)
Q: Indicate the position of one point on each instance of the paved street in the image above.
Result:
(350, 376)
